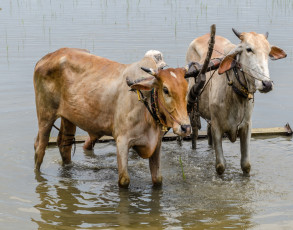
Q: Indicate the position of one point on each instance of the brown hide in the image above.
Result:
(91, 92)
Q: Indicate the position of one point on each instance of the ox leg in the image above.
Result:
(36, 142)
(195, 124)
(194, 137)
(90, 142)
(245, 134)
(155, 164)
(179, 140)
(217, 141)
(209, 133)
(42, 140)
(66, 139)
(122, 160)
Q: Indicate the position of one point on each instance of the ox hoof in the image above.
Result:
(37, 165)
(193, 146)
(157, 183)
(220, 168)
(88, 146)
(246, 169)
(66, 162)
(37, 168)
(123, 182)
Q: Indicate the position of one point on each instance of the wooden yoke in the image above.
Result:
(198, 71)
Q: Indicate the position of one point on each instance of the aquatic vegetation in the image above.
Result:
(183, 174)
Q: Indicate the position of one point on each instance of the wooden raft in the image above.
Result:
(277, 131)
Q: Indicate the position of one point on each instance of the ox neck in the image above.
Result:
(154, 108)
(239, 86)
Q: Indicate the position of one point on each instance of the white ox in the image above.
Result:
(93, 93)
(227, 100)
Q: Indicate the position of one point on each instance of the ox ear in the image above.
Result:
(143, 84)
(277, 53)
(230, 60)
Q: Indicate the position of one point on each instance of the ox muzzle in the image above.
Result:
(267, 86)
(182, 130)
(186, 129)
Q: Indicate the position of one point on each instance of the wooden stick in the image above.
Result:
(210, 50)
(258, 132)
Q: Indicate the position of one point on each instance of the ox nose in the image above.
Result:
(186, 128)
(267, 86)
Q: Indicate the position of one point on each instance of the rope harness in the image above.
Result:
(243, 90)
(67, 142)
(245, 67)
(154, 109)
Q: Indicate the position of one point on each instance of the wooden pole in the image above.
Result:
(258, 132)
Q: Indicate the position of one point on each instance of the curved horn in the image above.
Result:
(266, 35)
(188, 66)
(236, 33)
(149, 70)
(129, 82)
(192, 69)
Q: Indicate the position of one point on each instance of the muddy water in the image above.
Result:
(85, 194)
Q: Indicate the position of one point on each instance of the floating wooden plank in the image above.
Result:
(277, 131)
(281, 131)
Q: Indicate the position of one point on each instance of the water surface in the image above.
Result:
(85, 194)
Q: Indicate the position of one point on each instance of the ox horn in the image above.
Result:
(150, 71)
(237, 33)
(187, 67)
(129, 82)
(192, 69)
(144, 83)
(266, 35)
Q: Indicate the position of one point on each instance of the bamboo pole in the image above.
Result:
(257, 132)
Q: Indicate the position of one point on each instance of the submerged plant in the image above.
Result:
(183, 174)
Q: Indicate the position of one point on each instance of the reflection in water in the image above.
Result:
(70, 203)
(86, 195)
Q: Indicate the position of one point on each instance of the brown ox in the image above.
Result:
(91, 92)
(227, 100)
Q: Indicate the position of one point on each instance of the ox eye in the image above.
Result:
(165, 90)
(249, 50)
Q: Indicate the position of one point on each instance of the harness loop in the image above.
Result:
(68, 142)
(243, 90)
(154, 109)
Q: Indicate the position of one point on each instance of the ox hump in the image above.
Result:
(173, 74)
(62, 61)
(157, 57)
